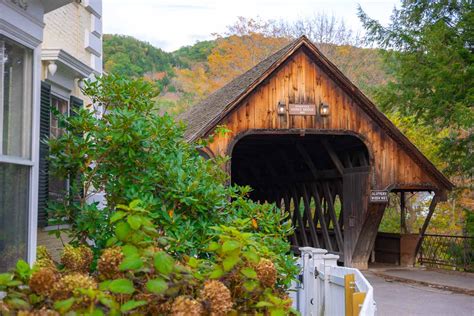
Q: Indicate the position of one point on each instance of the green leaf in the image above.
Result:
(252, 256)
(263, 304)
(123, 207)
(193, 262)
(117, 216)
(274, 299)
(104, 285)
(121, 286)
(110, 303)
(64, 305)
(111, 241)
(18, 303)
(5, 278)
(250, 285)
(278, 312)
(122, 231)
(249, 273)
(34, 299)
(131, 263)
(14, 283)
(213, 246)
(216, 273)
(129, 250)
(230, 245)
(229, 263)
(135, 221)
(163, 262)
(134, 203)
(131, 305)
(96, 312)
(23, 268)
(156, 286)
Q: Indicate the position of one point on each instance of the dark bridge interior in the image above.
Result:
(315, 174)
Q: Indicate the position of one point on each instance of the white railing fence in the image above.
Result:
(322, 286)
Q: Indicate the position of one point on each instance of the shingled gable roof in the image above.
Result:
(207, 114)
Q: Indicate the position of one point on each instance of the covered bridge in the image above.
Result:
(303, 136)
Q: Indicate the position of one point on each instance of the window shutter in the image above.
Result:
(75, 104)
(43, 183)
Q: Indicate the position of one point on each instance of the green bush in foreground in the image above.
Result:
(174, 250)
(122, 146)
(136, 275)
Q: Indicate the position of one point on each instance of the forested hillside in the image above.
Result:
(190, 73)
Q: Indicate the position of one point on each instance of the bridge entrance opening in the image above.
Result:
(320, 180)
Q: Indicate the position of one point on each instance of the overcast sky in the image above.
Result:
(170, 24)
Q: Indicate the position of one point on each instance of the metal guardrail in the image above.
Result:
(447, 251)
(327, 289)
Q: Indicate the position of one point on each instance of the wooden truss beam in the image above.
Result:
(432, 207)
(332, 213)
(318, 215)
(332, 154)
(307, 210)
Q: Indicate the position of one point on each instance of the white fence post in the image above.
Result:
(307, 286)
(318, 262)
(330, 261)
(320, 288)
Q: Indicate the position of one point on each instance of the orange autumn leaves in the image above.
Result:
(232, 56)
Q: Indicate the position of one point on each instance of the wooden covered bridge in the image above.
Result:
(303, 136)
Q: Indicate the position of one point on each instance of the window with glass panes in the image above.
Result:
(16, 108)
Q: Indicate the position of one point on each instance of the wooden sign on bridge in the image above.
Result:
(378, 196)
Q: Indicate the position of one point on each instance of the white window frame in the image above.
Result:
(28, 41)
(60, 97)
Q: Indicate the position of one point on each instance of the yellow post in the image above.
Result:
(349, 289)
(357, 301)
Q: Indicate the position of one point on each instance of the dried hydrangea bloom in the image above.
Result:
(266, 273)
(183, 306)
(218, 296)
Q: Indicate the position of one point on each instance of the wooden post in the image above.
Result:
(349, 289)
(403, 224)
(357, 302)
(432, 207)
(366, 239)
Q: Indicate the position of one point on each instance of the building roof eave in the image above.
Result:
(51, 5)
(71, 62)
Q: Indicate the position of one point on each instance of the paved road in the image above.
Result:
(400, 299)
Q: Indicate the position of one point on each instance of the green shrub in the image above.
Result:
(147, 279)
(131, 152)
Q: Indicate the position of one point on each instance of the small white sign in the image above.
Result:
(378, 196)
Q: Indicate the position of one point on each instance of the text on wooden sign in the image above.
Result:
(302, 109)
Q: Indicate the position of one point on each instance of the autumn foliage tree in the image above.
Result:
(245, 44)
(248, 41)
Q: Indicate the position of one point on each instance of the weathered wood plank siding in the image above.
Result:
(300, 80)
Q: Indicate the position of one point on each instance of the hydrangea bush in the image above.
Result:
(136, 275)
